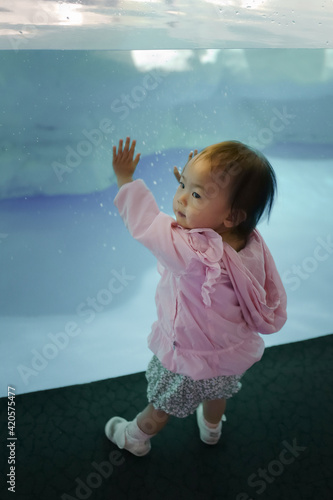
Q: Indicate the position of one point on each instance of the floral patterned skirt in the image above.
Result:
(180, 395)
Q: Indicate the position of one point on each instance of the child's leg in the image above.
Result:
(135, 436)
(151, 421)
(213, 410)
(209, 418)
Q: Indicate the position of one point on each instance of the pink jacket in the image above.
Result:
(211, 300)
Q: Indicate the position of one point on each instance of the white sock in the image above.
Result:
(209, 425)
(133, 432)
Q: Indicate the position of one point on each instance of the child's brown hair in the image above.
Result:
(251, 176)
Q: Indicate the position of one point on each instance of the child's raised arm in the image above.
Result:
(123, 163)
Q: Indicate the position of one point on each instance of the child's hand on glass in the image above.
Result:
(176, 172)
(123, 163)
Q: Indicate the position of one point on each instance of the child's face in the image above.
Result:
(200, 201)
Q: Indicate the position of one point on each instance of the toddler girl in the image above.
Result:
(219, 285)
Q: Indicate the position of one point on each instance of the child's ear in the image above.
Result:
(235, 217)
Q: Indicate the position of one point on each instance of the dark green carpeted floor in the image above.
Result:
(277, 442)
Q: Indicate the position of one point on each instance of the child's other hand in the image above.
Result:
(123, 163)
(175, 169)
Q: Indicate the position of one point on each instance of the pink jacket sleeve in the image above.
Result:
(154, 229)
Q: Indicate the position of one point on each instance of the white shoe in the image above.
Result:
(208, 435)
(116, 429)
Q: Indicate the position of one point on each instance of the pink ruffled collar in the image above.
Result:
(208, 246)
